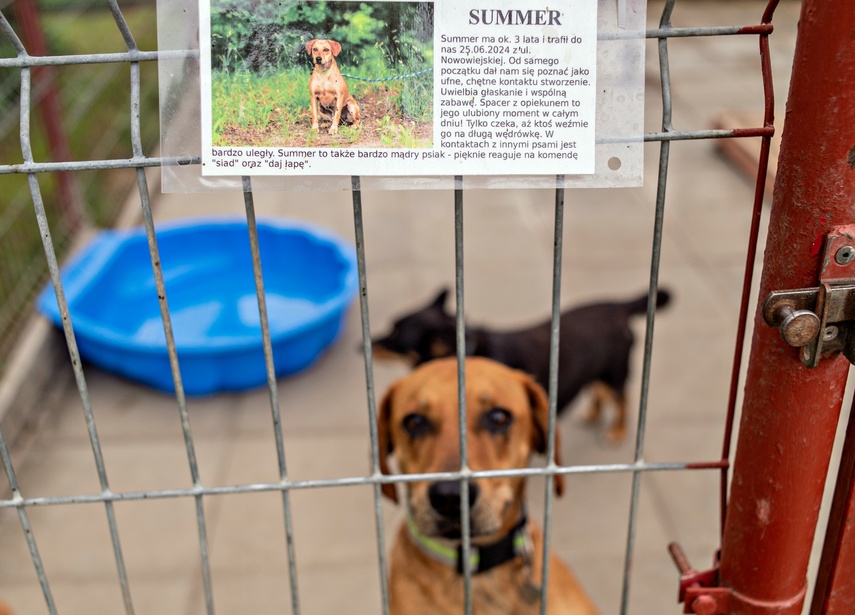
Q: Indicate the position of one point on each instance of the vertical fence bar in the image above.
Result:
(80, 380)
(272, 389)
(662, 182)
(180, 397)
(71, 200)
(142, 186)
(24, 520)
(790, 412)
(554, 345)
(145, 200)
(94, 440)
(750, 255)
(460, 321)
(154, 253)
(25, 111)
(359, 235)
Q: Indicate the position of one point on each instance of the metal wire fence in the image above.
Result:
(73, 201)
(35, 171)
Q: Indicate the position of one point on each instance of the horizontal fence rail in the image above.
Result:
(355, 481)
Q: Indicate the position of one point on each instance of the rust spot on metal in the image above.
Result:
(708, 465)
(765, 28)
(765, 131)
(850, 158)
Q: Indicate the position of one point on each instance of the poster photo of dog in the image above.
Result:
(321, 74)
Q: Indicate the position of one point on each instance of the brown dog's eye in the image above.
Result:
(497, 420)
(416, 424)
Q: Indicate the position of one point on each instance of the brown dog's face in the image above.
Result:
(506, 421)
(322, 52)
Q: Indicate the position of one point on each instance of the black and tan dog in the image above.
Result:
(330, 97)
(506, 421)
(594, 348)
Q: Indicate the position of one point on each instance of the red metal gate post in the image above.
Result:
(790, 412)
(834, 592)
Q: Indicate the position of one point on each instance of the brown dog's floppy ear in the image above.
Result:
(540, 417)
(309, 46)
(384, 442)
(336, 47)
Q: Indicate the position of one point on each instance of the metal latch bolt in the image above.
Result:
(821, 320)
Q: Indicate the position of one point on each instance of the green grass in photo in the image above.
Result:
(260, 70)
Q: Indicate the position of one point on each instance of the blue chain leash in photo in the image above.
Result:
(427, 70)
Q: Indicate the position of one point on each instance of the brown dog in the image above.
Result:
(330, 97)
(506, 419)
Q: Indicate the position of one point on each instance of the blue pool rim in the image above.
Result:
(93, 337)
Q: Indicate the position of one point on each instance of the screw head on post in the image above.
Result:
(844, 255)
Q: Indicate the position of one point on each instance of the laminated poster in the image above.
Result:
(398, 88)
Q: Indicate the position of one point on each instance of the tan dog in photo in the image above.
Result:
(330, 97)
(506, 421)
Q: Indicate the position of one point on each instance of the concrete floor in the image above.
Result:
(409, 239)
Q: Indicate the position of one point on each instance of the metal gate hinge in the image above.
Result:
(821, 320)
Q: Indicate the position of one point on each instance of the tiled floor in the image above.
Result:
(409, 238)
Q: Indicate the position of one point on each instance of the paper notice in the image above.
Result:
(504, 90)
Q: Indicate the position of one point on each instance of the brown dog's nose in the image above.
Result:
(444, 497)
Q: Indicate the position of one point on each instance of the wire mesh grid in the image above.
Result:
(285, 486)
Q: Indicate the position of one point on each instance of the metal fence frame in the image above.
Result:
(140, 161)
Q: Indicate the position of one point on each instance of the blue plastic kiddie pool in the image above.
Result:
(310, 279)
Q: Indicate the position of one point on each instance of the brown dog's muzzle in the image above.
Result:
(445, 501)
(445, 496)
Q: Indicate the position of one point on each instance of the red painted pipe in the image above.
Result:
(834, 592)
(790, 412)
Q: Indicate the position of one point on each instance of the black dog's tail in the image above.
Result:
(639, 306)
